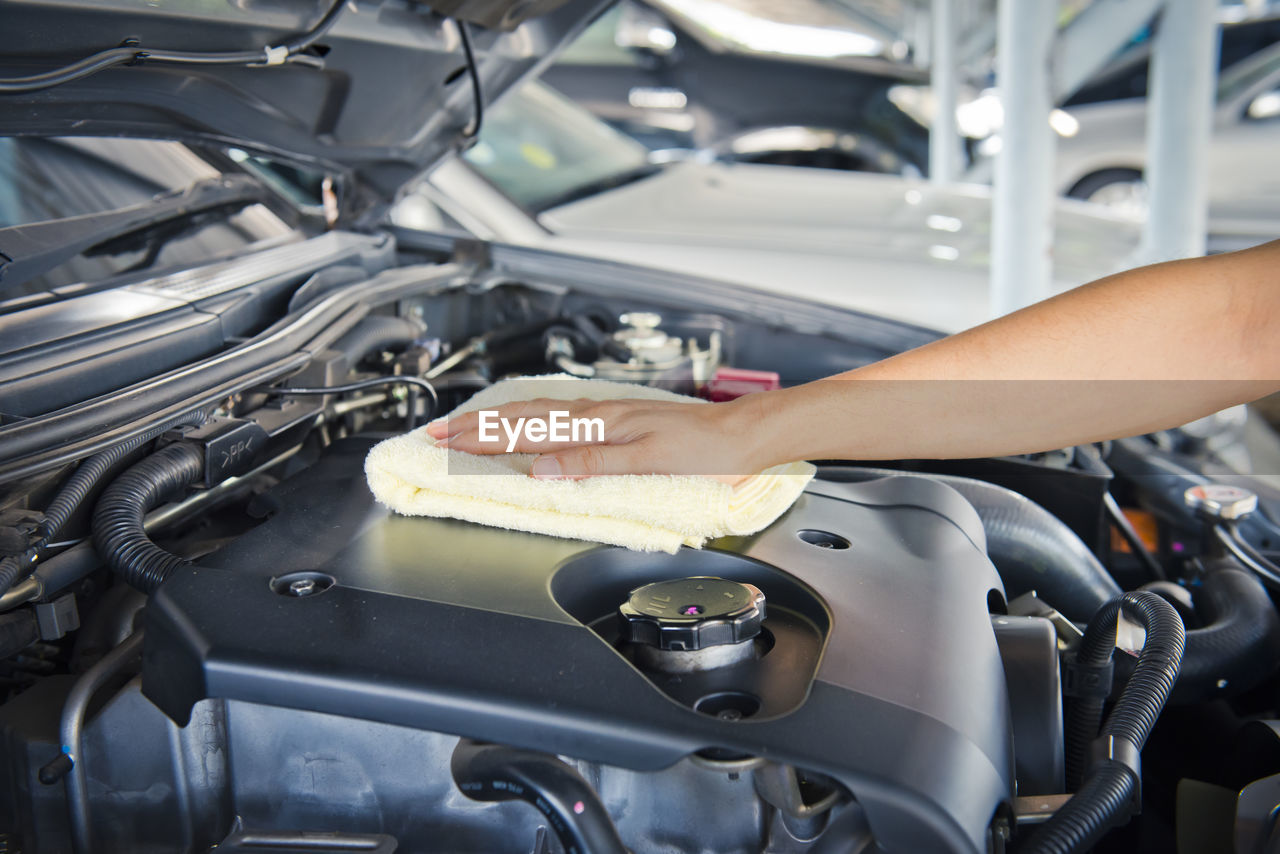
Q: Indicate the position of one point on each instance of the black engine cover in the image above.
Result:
(453, 627)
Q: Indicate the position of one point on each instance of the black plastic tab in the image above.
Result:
(1121, 751)
(231, 446)
(1089, 681)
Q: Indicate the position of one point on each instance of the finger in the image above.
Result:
(591, 461)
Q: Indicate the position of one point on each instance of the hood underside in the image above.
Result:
(379, 96)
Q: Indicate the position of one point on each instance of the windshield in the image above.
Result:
(1244, 75)
(542, 150)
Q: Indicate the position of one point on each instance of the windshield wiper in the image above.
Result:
(28, 251)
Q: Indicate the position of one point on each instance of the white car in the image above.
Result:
(545, 172)
(1104, 160)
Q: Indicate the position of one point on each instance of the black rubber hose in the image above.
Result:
(1086, 816)
(1030, 547)
(118, 532)
(14, 567)
(492, 772)
(76, 488)
(1238, 647)
(89, 472)
(1107, 790)
(1083, 716)
(377, 332)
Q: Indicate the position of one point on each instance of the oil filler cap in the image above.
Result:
(692, 613)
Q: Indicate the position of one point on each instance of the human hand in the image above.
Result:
(639, 437)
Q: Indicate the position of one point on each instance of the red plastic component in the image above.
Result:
(732, 383)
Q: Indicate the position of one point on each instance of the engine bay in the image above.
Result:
(217, 640)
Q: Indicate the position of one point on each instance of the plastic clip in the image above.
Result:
(1089, 681)
(277, 55)
(1123, 752)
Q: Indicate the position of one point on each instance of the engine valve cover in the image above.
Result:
(875, 664)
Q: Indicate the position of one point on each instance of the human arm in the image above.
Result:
(1139, 351)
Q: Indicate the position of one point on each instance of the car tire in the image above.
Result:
(1113, 187)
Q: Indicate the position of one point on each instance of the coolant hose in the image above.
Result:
(493, 772)
(118, 534)
(1030, 547)
(377, 332)
(1110, 781)
(1238, 646)
(77, 487)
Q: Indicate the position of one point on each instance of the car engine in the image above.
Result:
(215, 639)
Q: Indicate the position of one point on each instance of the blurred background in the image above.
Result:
(863, 138)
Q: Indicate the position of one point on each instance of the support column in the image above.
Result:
(1023, 193)
(944, 137)
(1184, 73)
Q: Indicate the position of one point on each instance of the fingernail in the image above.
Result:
(545, 467)
(444, 441)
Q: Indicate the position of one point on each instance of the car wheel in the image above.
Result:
(1115, 188)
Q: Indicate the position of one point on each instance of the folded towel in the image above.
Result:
(411, 475)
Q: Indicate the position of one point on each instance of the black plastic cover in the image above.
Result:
(453, 627)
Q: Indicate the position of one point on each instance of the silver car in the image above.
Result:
(1104, 160)
(547, 173)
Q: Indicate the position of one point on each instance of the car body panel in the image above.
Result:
(876, 243)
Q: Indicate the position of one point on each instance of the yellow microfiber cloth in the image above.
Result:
(410, 475)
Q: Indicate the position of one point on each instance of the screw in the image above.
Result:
(302, 587)
(729, 715)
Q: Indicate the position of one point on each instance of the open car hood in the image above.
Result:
(376, 99)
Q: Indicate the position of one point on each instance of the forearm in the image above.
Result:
(1140, 351)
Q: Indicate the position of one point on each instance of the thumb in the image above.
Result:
(586, 461)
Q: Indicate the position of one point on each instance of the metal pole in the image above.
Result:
(944, 138)
(1022, 195)
(1184, 62)
(71, 730)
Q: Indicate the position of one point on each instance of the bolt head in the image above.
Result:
(302, 587)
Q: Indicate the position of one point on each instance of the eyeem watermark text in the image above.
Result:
(557, 427)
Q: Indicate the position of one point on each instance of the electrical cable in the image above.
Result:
(72, 494)
(1110, 760)
(1126, 529)
(1229, 536)
(414, 383)
(286, 51)
(574, 812)
(119, 530)
(473, 130)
